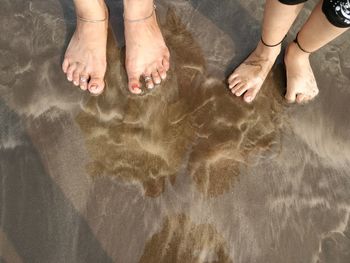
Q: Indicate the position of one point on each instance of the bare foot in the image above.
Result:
(301, 83)
(146, 52)
(251, 74)
(85, 58)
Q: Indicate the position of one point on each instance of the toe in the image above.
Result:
(161, 72)
(71, 70)
(237, 87)
(147, 75)
(156, 78)
(134, 83)
(250, 95)
(149, 82)
(76, 74)
(300, 98)
(83, 80)
(96, 84)
(166, 63)
(290, 95)
(65, 65)
(234, 82)
(307, 99)
(241, 90)
(232, 77)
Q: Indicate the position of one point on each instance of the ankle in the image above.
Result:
(94, 10)
(138, 9)
(293, 52)
(267, 52)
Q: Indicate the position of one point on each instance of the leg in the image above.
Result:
(323, 25)
(85, 58)
(146, 52)
(250, 75)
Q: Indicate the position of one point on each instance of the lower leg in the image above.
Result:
(90, 9)
(250, 75)
(85, 58)
(278, 18)
(316, 32)
(146, 52)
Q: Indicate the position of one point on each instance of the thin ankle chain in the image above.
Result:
(140, 19)
(91, 20)
(275, 45)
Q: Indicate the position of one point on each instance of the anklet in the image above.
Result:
(91, 20)
(141, 19)
(298, 44)
(267, 45)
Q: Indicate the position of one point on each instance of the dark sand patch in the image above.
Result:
(191, 119)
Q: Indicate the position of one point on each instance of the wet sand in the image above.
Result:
(183, 173)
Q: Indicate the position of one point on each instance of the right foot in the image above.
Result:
(248, 78)
(85, 59)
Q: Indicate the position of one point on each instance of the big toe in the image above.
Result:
(250, 95)
(96, 85)
(290, 95)
(134, 84)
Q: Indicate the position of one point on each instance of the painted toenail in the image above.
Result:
(135, 86)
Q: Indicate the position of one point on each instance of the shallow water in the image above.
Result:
(183, 173)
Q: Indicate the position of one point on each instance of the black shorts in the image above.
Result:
(336, 11)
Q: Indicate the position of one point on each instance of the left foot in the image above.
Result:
(248, 78)
(146, 52)
(301, 83)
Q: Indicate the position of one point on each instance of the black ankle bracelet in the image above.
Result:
(298, 44)
(267, 45)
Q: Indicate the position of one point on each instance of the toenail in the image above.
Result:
(249, 99)
(69, 78)
(76, 83)
(135, 86)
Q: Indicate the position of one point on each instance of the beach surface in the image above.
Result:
(183, 173)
